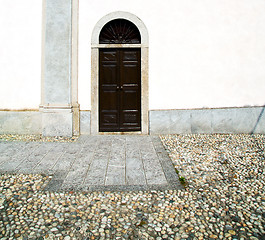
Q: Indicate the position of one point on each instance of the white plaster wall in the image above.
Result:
(20, 54)
(203, 53)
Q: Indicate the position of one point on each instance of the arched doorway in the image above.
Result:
(119, 79)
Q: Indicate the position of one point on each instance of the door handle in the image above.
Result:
(121, 87)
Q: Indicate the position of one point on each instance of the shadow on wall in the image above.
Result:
(258, 120)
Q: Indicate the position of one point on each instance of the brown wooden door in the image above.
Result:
(119, 90)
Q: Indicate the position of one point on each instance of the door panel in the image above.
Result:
(120, 90)
(131, 94)
(108, 82)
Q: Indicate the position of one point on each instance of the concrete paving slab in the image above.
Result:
(4, 159)
(49, 160)
(95, 163)
(135, 177)
(115, 176)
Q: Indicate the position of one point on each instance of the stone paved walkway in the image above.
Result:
(94, 163)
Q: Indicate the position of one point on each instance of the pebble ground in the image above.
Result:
(223, 198)
(35, 138)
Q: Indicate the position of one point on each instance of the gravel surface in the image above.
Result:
(223, 198)
(35, 138)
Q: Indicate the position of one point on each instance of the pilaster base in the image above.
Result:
(57, 121)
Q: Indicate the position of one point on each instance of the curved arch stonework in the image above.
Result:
(125, 15)
(95, 67)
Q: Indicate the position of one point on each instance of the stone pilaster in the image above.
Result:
(59, 104)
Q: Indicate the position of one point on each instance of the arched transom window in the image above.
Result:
(120, 31)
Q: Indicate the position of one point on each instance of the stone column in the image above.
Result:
(59, 103)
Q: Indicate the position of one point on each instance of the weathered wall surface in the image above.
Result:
(20, 54)
(20, 122)
(224, 120)
(31, 122)
(85, 122)
(206, 53)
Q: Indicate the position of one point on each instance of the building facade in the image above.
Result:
(72, 67)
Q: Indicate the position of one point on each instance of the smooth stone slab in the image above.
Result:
(20, 122)
(219, 120)
(49, 160)
(95, 163)
(115, 175)
(57, 124)
(201, 121)
(85, 122)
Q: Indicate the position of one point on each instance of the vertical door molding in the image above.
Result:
(95, 67)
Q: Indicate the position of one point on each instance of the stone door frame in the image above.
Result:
(95, 69)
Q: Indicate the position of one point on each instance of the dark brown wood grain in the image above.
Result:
(119, 90)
